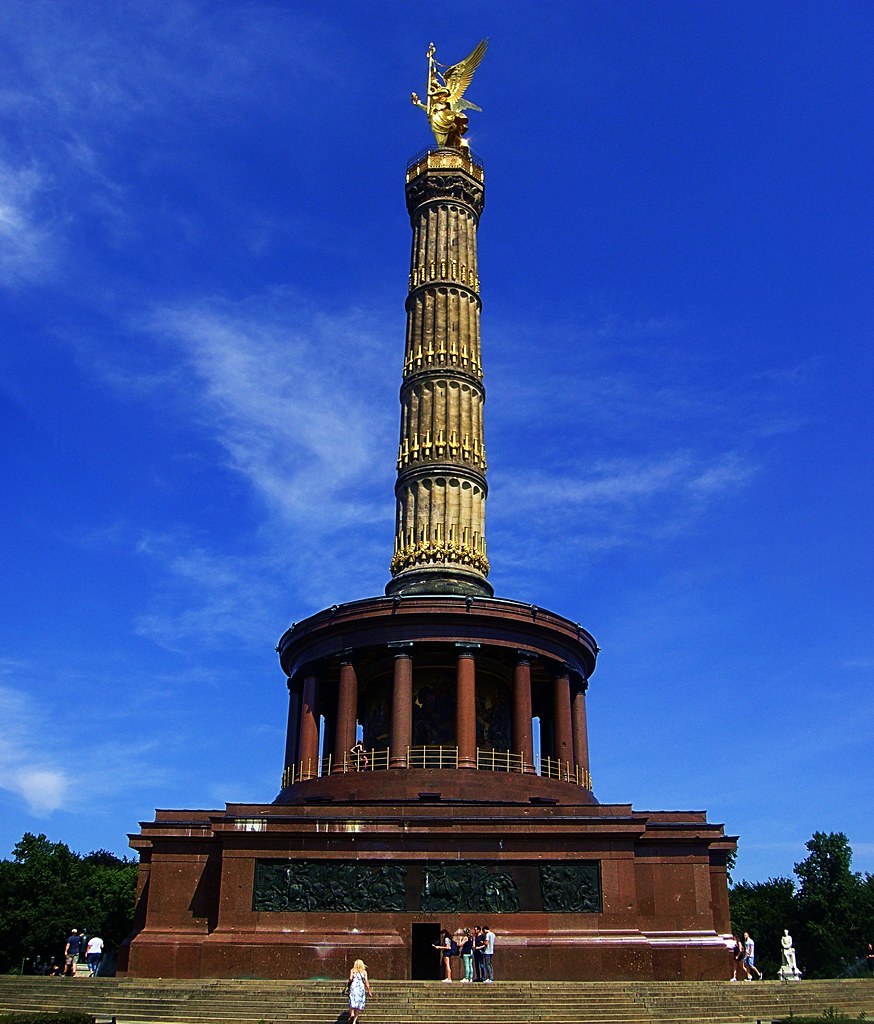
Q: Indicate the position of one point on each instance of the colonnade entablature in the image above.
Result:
(438, 682)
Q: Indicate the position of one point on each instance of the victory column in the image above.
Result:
(416, 795)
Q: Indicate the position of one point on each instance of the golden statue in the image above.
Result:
(445, 107)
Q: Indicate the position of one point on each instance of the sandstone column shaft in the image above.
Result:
(563, 737)
(465, 710)
(292, 732)
(523, 737)
(581, 731)
(309, 726)
(347, 710)
(402, 710)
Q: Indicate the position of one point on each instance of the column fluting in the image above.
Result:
(441, 449)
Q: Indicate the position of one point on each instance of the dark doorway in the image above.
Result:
(425, 963)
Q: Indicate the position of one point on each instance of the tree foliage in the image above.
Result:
(829, 913)
(46, 890)
(829, 902)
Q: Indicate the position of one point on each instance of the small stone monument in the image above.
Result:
(788, 966)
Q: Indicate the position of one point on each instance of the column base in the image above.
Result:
(439, 581)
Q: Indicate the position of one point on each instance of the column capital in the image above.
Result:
(466, 650)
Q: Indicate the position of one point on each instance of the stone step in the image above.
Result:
(176, 1001)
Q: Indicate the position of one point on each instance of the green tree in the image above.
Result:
(829, 901)
(865, 917)
(46, 889)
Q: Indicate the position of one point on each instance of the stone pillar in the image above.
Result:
(581, 731)
(401, 710)
(292, 732)
(309, 726)
(440, 539)
(562, 735)
(465, 709)
(523, 738)
(347, 711)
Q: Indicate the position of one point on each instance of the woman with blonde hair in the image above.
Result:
(358, 984)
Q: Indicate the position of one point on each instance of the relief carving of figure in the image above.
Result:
(571, 888)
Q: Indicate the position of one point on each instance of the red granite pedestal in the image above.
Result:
(374, 859)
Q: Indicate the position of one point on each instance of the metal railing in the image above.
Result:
(499, 761)
(447, 157)
(432, 757)
(553, 768)
(439, 757)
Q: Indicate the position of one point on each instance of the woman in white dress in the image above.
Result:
(358, 985)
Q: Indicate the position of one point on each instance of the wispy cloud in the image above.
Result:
(209, 597)
(639, 381)
(26, 767)
(97, 102)
(588, 508)
(859, 663)
(40, 738)
(621, 484)
(634, 444)
(79, 61)
(309, 430)
(295, 416)
(26, 241)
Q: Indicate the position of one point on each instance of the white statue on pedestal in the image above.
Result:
(788, 966)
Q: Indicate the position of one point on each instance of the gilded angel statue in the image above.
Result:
(444, 104)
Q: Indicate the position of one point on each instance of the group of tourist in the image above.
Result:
(77, 945)
(475, 947)
(743, 953)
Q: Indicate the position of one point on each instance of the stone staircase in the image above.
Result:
(160, 1001)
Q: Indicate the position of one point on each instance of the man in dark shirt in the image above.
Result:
(479, 945)
(71, 953)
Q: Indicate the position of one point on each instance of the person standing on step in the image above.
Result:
(445, 949)
(359, 984)
(750, 957)
(479, 945)
(93, 953)
(71, 953)
(737, 956)
(488, 952)
(466, 946)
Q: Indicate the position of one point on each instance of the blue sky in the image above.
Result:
(203, 259)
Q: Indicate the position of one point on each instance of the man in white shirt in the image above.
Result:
(750, 957)
(487, 955)
(93, 953)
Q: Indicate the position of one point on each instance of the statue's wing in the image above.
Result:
(459, 105)
(458, 77)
